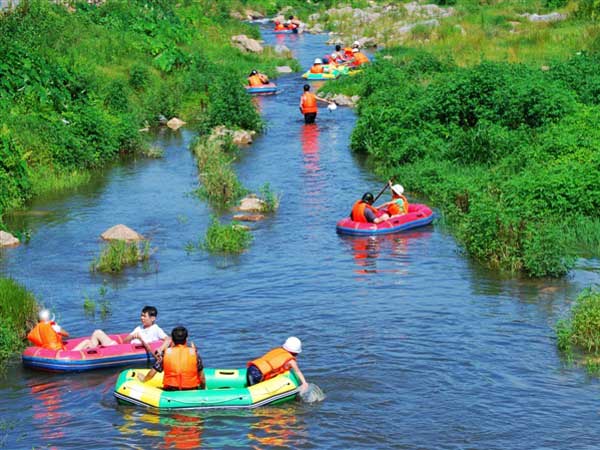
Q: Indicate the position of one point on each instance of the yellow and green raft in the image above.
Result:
(225, 388)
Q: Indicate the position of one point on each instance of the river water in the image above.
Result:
(414, 345)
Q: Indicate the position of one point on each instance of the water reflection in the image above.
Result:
(47, 412)
(310, 148)
(276, 427)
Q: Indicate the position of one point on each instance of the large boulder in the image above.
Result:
(239, 137)
(367, 42)
(8, 240)
(175, 123)
(248, 217)
(281, 49)
(121, 233)
(344, 100)
(284, 69)
(251, 203)
(253, 15)
(246, 44)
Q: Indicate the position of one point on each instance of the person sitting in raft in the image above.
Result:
(47, 333)
(399, 204)
(182, 366)
(364, 212)
(256, 79)
(317, 66)
(279, 26)
(359, 58)
(148, 332)
(293, 22)
(276, 361)
(338, 56)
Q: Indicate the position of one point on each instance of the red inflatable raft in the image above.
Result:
(417, 216)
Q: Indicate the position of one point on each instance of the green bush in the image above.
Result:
(226, 238)
(582, 328)
(18, 310)
(116, 255)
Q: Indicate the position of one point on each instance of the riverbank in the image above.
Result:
(78, 85)
(18, 310)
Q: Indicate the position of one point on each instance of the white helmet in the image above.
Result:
(398, 189)
(293, 345)
(356, 44)
(318, 61)
(44, 315)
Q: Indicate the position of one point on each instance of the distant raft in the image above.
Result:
(332, 75)
(225, 388)
(285, 30)
(417, 216)
(270, 88)
(69, 360)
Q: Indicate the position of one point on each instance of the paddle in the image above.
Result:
(387, 185)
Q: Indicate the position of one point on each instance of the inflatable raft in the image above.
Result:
(70, 360)
(321, 76)
(270, 88)
(417, 216)
(225, 388)
(286, 31)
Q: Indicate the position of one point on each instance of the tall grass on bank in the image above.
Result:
(117, 255)
(220, 184)
(18, 310)
(226, 238)
(580, 331)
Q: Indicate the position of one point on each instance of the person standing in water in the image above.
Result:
(308, 105)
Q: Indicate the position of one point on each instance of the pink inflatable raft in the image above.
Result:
(69, 360)
(417, 216)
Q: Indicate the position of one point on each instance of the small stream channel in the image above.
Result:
(413, 344)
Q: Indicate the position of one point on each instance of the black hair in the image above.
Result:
(291, 17)
(368, 198)
(179, 335)
(338, 47)
(306, 87)
(254, 72)
(151, 310)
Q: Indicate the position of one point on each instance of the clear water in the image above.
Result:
(413, 345)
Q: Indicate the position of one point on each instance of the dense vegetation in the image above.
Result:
(18, 310)
(507, 151)
(77, 84)
(117, 255)
(581, 330)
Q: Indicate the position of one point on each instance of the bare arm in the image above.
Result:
(149, 375)
(298, 372)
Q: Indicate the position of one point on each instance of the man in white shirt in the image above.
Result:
(147, 332)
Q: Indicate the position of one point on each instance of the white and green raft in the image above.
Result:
(225, 388)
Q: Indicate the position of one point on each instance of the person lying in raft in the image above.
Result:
(182, 366)
(277, 361)
(47, 333)
(364, 211)
(256, 79)
(399, 204)
(148, 332)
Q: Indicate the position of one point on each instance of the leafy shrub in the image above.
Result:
(18, 309)
(116, 255)
(582, 328)
(226, 238)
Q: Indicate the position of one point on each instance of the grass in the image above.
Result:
(45, 180)
(220, 184)
(226, 238)
(152, 152)
(18, 310)
(117, 255)
(270, 199)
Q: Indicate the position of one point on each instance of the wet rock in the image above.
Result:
(8, 240)
(552, 17)
(175, 123)
(246, 44)
(121, 233)
(284, 69)
(251, 203)
(249, 217)
(344, 100)
(253, 15)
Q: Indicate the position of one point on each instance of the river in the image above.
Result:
(414, 345)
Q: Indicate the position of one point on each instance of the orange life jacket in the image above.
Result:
(394, 208)
(43, 335)
(316, 68)
(280, 26)
(348, 52)
(181, 368)
(273, 363)
(255, 80)
(360, 58)
(309, 103)
(358, 211)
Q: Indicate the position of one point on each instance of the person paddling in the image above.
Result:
(308, 105)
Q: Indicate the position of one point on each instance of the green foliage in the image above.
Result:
(18, 310)
(226, 238)
(116, 255)
(270, 198)
(582, 328)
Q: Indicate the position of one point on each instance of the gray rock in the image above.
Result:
(314, 17)
(317, 28)
(8, 240)
(175, 123)
(367, 42)
(552, 17)
(251, 203)
(280, 48)
(253, 15)
(284, 69)
(428, 23)
(248, 217)
(246, 44)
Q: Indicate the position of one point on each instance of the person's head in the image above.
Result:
(291, 17)
(397, 190)
(179, 335)
(338, 47)
(292, 345)
(254, 72)
(44, 315)
(355, 50)
(306, 87)
(148, 316)
(355, 44)
(318, 61)
(368, 198)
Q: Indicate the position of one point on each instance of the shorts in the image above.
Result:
(253, 375)
(310, 117)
